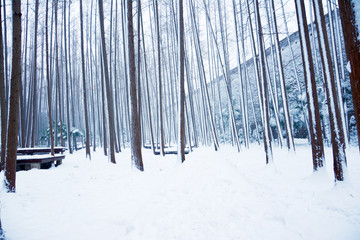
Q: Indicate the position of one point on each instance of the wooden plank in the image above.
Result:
(38, 159)
(174, 152)
(31, 151)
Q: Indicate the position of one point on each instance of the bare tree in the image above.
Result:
(35, 75)
(11, 152)
(87, 132)
(181, 94)
(311, 90)
(48, 82)
(2, 101)
(264, 87)
(135, 120)
(107, 83)
(352, 47)
(290, 138)
(337, 132)
(156, 12)
(68, 100)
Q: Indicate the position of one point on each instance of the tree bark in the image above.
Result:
(290, 138)
(107, 83)
(264, 88)
(2, 102)
(352, 47)
(136, 156)
(11, 152)
(48, 82)
(68, 97)
(181, 94)
(156, 12)
(317, 145)
(34, 102)
(337, 131)
(87, 132)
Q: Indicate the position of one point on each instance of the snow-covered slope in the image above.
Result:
(213, 195)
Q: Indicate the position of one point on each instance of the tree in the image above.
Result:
(135, 120)
(35, 75)
(107, 83)
(337, 131)
(311, 90)
(48, 81)
(181, 94)
(11, 152)
(156, 12)
(264, 87)
(352, 47)
(87, 133)
(68, 100)
(2, 102)
(290, 138)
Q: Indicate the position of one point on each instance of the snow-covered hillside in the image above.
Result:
(213, 195)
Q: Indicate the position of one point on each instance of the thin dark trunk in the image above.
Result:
(352, 47)
(87, 132)
(11, 152)
(160, 98)
(181, 94)
(68, 100)
(107, 83)
(264, 88)
(2, 102)
(48, 82)
(136, 156)
(34, 102)
(337, 131)
(311, 90)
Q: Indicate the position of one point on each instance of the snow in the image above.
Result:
(348, 66)
(212, 195)
(42, 156)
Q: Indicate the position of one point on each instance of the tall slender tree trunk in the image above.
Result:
(34, 114)
(48, 82)
(317, 145)
(181, 94)
(68, 99)
(87, 132)
(2, 101)
(11, 152)
(337, 131)
(352, 47)
(23, 112)
(147, 88)
(264, 88)
(102, 79)
(156, 12)
(6, 58)
(136, 156)
(290, 138)
(107, 83)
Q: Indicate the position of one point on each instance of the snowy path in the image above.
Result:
(213, 195)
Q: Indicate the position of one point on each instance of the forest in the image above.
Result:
(132, 82)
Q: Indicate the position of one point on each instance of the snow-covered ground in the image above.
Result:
(213, 195)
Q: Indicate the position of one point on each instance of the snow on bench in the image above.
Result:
(27, 162)
(40, 150)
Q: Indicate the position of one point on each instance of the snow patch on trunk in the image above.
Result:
(348, 66)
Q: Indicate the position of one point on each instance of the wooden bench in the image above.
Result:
(46, 150)
(27, 162)
(157, 152)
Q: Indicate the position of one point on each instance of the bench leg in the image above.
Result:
(35, 165)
